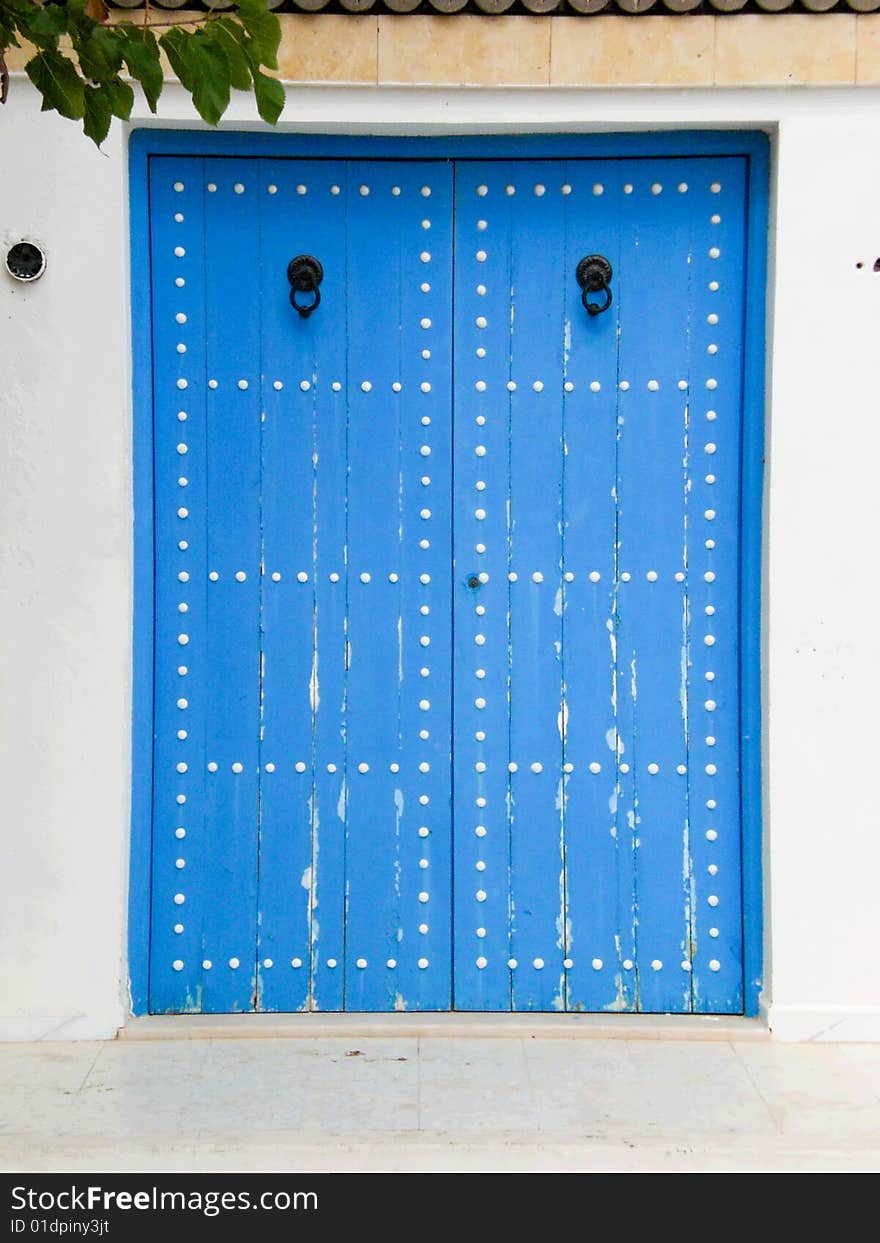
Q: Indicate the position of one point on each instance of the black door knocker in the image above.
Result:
(593, 276)
(305, 274)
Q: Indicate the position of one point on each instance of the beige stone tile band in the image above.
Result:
(758, 49)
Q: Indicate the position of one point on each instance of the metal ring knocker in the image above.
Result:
(593, 275)
(305, 274)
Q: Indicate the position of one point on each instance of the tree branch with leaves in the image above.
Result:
(83, 64)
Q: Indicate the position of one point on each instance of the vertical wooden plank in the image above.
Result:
(483, 248)
(328, 680)
(373, 681)
(181, 832)
(510, 887)
(424, 227)
(303, 417)
(234, 414)
(624, 797)
(655, 272)
(399, 237)
(598, 838)
(537, 315)
(714, 475)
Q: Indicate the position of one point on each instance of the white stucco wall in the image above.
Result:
(66, 510)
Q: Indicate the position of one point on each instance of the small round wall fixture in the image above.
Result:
(25, 261)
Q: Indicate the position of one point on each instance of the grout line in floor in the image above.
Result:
(418, 1083)
(777, 1123)
(92, 1064)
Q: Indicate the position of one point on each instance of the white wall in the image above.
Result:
(65, 535)
(65, 526)
(822, 539)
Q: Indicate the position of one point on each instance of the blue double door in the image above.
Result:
(446, 635)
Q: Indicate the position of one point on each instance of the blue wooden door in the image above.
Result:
(447, 586)
(596, 802)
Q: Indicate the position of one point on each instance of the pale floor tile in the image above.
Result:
(39, 1084)
(577, 1089)
(184, 1068)
(124, 1119)
(684, 1065)
(407, 1152)
(464, 1107)
(590, 1058)
(195, 1086)
(866, 1059)
(126, 1097)
(335, 1114)
(354, 1085)
(376, 1097)
(480, 1083)
(28, 1114)
(645, 1089)
(492, 1056)
(688, 1091)
(482, 1086)
(812, 1092)
(439, 1103)
(323, 1057)
(56, 1066)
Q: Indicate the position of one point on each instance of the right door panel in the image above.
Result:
(596, 586)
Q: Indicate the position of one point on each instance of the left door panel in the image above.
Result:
(301, 825)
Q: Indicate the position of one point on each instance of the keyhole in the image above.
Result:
(473, 581)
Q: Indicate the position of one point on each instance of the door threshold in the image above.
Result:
(478, 1026)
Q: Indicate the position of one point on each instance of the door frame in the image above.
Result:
(754, 145)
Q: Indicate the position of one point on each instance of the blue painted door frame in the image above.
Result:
(527, 731)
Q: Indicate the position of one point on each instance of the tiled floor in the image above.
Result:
(439, 1103)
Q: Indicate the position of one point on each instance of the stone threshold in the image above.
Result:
(476, 1026)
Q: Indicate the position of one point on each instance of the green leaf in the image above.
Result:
(230, 37)
(44, 27)
(57, 80)
(270, 97)
(100, 55)
(15, 21)
(78, 21)
(121, 98)
(76, 8)
(175, 44)
(141, 54)
(12, 17)
(268, 91)
(210, 72)
(98, 113)
(264, 28)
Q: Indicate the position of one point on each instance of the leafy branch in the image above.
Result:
(88, 77)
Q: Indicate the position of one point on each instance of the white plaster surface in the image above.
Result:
(65, 570)
(386, 1103)
(65, 523)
